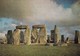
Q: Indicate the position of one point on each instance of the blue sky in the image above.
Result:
(66, 3)
(7, 24)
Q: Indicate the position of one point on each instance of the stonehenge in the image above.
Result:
(18, 36)
(38, 35)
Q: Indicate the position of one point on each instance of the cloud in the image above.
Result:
(41, 12)
(14, 8)
(49, 12)
(13, 25)
(76, 9)
(38, 12)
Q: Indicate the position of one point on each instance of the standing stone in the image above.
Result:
(34, 35)
(56, 35)
(76, 41)
(9, 37)
(27, 36)
(43, 36)
(52, 36)
(16, 37)
(62, 38)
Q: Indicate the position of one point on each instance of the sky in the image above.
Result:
(63, 13)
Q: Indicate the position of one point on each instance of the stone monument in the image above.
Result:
(16, 37)
(77, 36)
(55, 35)
(39, 34)
(9, 36)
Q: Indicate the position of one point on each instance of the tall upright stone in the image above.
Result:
(16, 37)
(9, 37)
(56, 35)
(34, 34)
(76, 39)
(43, 35)
(52, 35)
(27, 36)
(62, 38)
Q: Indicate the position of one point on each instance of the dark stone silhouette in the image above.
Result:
(9, 37)
(76, 37)
(62, 38)
(21, 36)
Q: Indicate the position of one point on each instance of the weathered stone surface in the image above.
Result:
(56, 35)
(16, 37)
(27, 36)
(9, 37)
(43, 36)
(76, 39)
(34, 35)
(52, 35)
(38, 26)
(21, 27)
(62, 38)
(39, 34)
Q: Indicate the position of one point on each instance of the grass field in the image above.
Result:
(24, 50)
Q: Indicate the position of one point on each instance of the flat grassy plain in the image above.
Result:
(24, 50)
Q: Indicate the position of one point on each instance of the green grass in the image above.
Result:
(24, 50)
